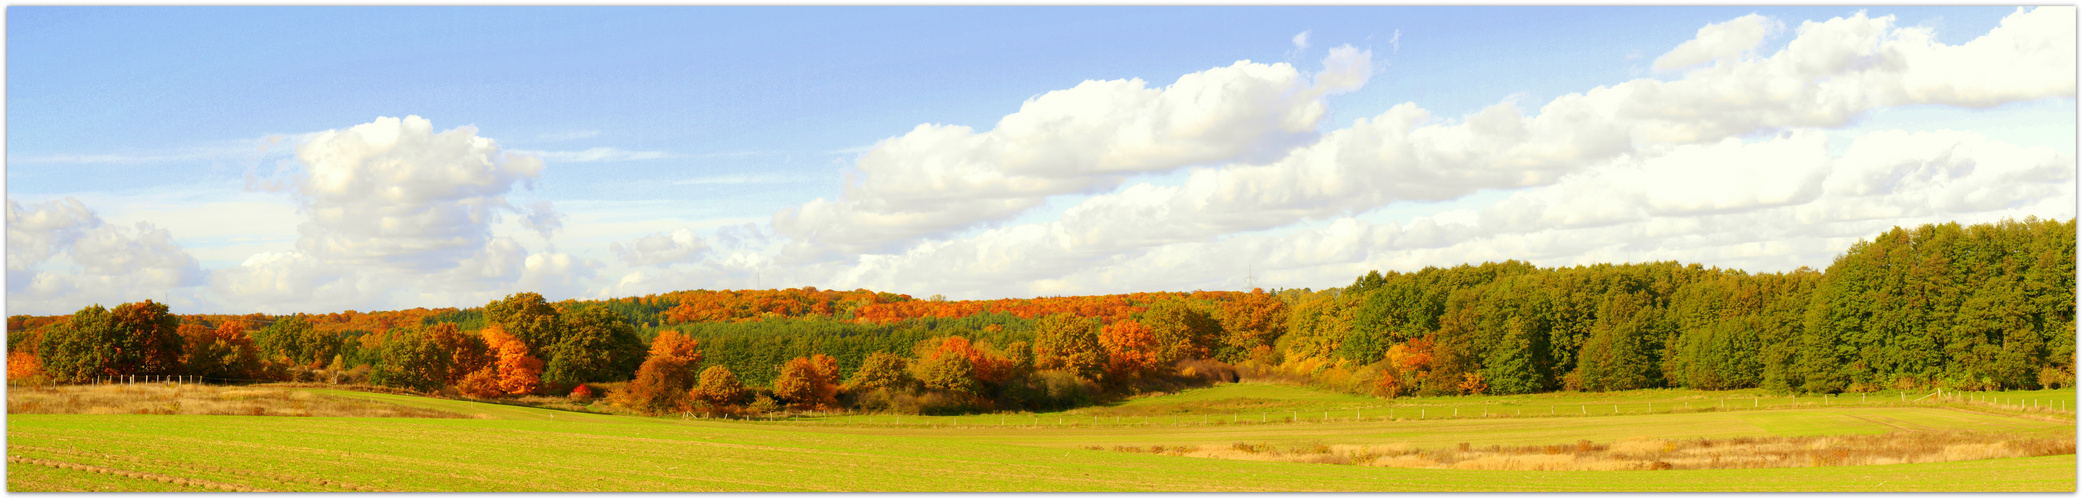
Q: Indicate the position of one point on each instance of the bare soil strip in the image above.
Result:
(177, 481)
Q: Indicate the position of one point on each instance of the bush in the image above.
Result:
(661, 386)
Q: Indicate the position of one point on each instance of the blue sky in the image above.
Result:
(640, 142)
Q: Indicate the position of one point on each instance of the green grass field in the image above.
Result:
(526, 449)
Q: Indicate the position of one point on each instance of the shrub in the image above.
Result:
(809, 383)
(661, 386)
(718, 391)
(483, 383)
(881, 371)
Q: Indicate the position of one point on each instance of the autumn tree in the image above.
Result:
(292, 339)
(718, 391)
(1132, 351)
(464, 353)
(662, 383)
(135, 338)
(948, 366)
(672, 343)
(531, 319)
(809, 383)
(516, 372)
(881, 370)
(221, 352)
(1247, 322)
(23, 367)
(1066, 342)
(1181, 331)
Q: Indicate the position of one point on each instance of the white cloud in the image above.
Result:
(397, 215)
(660, 249)
(1768, 205)
(94, 262)
(283, 282)
(394, 193)
(1405, 155)
(34, 236)
(944, 178)
(1302, 40)
(1725, 40)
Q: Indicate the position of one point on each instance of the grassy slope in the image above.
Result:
(531, 449)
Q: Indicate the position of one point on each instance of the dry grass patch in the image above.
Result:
(1654, 454)
(190, 399)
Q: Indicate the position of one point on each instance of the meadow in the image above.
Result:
(518, 448)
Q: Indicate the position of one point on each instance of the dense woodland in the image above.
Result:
(1988, 306)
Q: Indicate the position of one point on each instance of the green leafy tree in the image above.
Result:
(597, 346)
(138, 338)
(292, 339)
(882, 370)
(411, 359)
(526, 316)
(1622, 351)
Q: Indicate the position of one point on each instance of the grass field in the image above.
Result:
(526, 449)
(1254, 403)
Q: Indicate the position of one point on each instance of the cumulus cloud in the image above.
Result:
(98, 262)
(280, 282)
(1724, 40)
(1406, 155)
(33, 236)
(1768, 205)
(939, 179)
(1302, 40)
(660, 249)
(396, 194)
(400, 214)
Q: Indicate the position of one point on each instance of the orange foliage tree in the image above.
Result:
(466, 353)
(809, 383)
(672, 343)
(1249, 321)
(662, 383)
(516, 373)
(23, 367)
(1131, 349)
(222, 352)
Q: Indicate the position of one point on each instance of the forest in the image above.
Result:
(1975, 307)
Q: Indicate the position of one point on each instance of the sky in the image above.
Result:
(320, 159)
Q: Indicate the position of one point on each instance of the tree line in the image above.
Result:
(1984, 306)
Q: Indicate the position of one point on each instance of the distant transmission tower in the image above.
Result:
(1250, 279)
